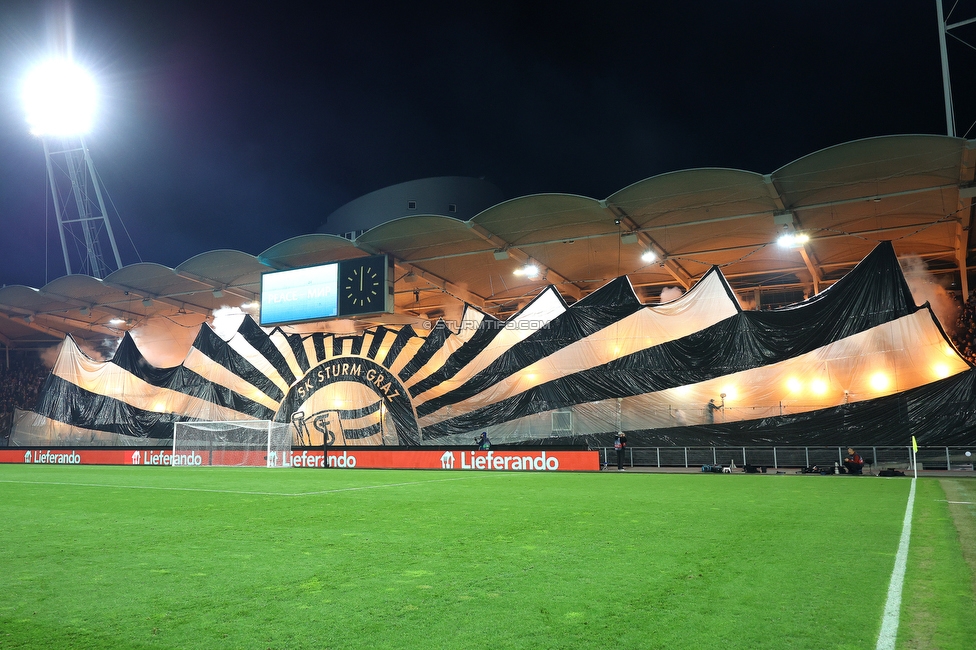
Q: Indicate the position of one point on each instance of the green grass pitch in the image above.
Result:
(137, 557)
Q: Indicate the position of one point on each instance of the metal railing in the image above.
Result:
(946, 458)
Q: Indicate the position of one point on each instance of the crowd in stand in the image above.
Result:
(964, 336)
(20, 384)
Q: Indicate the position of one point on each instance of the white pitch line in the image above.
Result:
(250, 492)
(889, 621)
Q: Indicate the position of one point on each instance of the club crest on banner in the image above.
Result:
(350, 400)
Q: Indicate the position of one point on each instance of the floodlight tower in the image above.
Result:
(60, 98)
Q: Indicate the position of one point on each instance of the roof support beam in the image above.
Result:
(812, 264)
(773, 192)
(801, 208)
(179, 299)
(813, 267)
(809, 259)
(121, 308)
(795, 209)
(35, 326)
(447, 287)
(961, 239)
(520, 256)
(209, 284)
(673, 267)
(965, 211)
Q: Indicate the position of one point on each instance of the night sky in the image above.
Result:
(238, 125)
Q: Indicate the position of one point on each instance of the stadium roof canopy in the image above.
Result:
(915, 190)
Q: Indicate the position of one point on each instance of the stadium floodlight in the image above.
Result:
(792, 240)
(60, 99)
(648, 256)
(529, 271)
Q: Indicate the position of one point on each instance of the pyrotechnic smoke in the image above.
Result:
(453, 313)
(671, 293)
(99, 350)
(226, 321)
(164, 343)
(50, 355)
(925, 288)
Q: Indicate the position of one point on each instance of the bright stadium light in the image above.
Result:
(880, 381)
(792, 240)
(529, 271)
(59, 98)
(819, 387)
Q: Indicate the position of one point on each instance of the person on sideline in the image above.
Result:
(620, 444)
(853, 463)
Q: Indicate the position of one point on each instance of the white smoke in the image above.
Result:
(453, 313)
(97, 350)
(163, 342)
(50, 355)
(925, 288)
(226, 321)
(671, 293)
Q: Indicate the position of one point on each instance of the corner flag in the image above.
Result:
(914, 445)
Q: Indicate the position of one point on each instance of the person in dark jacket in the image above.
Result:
(853, 463)
(620, 444)
(710, 409)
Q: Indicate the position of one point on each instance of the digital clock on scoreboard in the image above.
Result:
(346, 288)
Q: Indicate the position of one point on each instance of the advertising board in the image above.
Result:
(451, 459)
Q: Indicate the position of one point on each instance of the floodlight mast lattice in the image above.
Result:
(60, 98)
(945, 29)
(83, 226)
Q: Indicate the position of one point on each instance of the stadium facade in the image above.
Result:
(823, 342)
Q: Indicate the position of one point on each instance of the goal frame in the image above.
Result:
(275, 444)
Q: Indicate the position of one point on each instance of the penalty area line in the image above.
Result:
(889, 621)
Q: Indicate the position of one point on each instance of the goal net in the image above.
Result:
(239, 443)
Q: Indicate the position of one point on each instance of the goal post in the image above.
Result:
(237, 443)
